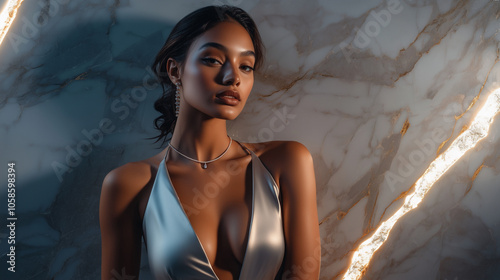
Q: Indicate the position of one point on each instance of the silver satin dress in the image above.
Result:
(174, 250)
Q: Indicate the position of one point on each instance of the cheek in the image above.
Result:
(247, 87)
(192, 73)
(196, 79)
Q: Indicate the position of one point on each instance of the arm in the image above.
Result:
(298, 188)
(121, 229)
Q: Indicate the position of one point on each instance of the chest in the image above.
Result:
(218, 205)
(203, 225)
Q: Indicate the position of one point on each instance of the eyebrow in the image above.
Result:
(222, 48)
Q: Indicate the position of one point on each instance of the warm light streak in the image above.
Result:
(464, 142)
(7, 17)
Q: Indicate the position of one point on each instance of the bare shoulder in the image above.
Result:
(285, 150)
(124, 184)
(128, 175)
(284, 158)
(119, 218)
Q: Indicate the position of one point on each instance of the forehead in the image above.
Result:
(229, 34)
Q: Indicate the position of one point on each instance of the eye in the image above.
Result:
(247, 68)
(211, 60)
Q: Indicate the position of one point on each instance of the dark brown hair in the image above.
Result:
(178, 42)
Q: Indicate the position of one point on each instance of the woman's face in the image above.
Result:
(218, 61)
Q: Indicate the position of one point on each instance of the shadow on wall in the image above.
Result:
(58, 234)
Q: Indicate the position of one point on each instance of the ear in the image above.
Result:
(174, 70)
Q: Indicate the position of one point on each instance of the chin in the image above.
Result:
(228, 114)
(228, 117)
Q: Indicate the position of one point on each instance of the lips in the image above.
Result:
(228, 97)
(229, 93)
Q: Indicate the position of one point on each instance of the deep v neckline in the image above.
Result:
(249, 231)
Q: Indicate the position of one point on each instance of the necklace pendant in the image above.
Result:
(204, 165)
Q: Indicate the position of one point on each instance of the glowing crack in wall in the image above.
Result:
(464, 142)
(7, 16)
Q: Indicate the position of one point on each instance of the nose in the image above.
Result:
(231, 76)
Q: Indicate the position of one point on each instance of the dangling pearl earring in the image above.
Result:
(177, 99)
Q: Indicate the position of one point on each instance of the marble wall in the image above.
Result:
(374, 89)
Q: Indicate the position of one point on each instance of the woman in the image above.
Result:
(208, 206)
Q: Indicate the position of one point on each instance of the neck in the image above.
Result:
(201, 139)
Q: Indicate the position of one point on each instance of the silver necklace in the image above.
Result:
(203, 163)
